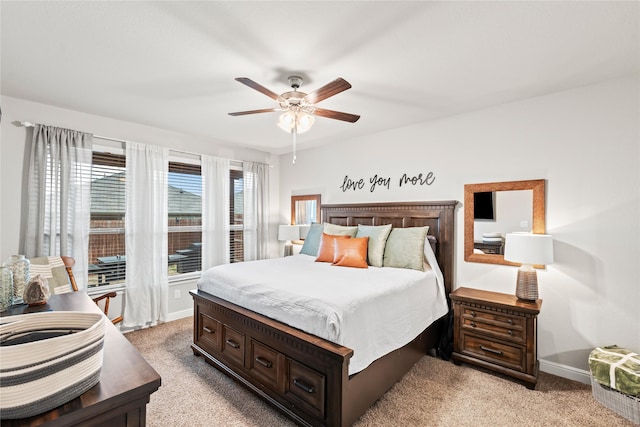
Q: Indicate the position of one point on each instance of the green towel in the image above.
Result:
(617, 368)
(52, 268)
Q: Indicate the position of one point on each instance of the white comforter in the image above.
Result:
(372, 311)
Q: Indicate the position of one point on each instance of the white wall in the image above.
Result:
(15, 140)
(584, 142)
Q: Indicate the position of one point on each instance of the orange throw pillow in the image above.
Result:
(326, 249)
(351, 252)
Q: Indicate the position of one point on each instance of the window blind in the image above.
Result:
(185, 218)
(107, 255)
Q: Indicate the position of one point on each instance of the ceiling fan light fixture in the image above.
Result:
(286, 121)
(300, 119)
(305, 121)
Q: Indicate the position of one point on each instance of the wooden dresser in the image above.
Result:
(126, 381)
(496, 331)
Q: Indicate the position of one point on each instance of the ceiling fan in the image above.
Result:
(299, 101)
(299, 108)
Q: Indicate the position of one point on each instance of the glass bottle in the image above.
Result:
(19, 266)
(6, 288)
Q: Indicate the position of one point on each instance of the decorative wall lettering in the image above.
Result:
(415, 180)
(348, 184)
(377, 181)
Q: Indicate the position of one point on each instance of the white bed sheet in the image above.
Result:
(372, 311)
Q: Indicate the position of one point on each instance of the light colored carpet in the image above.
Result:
(433, 393)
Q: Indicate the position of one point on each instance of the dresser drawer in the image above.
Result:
(504, 326)
(510, 356)
(305, 388)
(263, 363)
(233, 344)
(209, 332)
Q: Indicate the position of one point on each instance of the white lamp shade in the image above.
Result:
(304, 230)
(300, 119)
(288, 232)
(528, 248)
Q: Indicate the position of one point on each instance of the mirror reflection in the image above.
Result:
(497, 213)
(305, 209)
(492, 210)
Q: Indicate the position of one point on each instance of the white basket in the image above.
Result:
(48, 359)
(622, 404)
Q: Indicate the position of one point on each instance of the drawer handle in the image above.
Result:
(300, 384)
(510, 332)
(264, 362)
(233, 344)
(204, 328)
(473, 314)
(473, 324)
(490, 350)
(510, 321)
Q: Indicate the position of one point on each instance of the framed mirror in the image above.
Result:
(501, 207)
(305, 209)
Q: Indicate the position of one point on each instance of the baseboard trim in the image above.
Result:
(565, 371)
(180, 314)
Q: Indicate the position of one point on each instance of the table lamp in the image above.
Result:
(287, 233)
(529, 249)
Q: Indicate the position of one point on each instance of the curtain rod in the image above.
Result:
(27, 124)
(30, 125)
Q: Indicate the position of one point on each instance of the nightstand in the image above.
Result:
(496, 331)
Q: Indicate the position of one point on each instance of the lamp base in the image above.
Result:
(527, 283)
(288, 249)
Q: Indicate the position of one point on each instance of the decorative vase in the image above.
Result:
(6, 288)
(19, 266)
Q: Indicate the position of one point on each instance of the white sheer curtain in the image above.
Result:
(256, 210)
(146, 228)
(215, 211)
(59, 196)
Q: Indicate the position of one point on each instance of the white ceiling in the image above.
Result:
(172, 64)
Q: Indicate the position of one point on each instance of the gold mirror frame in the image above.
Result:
(538, 221)
(305, 197)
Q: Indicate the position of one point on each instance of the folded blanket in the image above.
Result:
(617, 368)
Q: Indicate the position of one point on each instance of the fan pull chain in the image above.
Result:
(294, 131)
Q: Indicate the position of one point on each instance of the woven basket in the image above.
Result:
(622, 404)
(48, 359)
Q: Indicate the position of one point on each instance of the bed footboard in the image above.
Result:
(300, 374)
(304, 376)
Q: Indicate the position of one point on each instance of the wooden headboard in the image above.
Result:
(438, 216)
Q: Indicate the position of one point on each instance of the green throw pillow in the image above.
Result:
(340, 230)
(405, 248)
(377, 235)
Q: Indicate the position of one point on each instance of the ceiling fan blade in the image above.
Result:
(338, 115)
(330, 89)
(244, 113)
(253, 85)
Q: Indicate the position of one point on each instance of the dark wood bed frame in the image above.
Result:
(304, 376)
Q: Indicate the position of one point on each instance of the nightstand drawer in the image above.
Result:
(504, 326)
(502, 354)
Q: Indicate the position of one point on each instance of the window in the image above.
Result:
(236, 204)
(185, 218)
(107, 252)
(107, 255)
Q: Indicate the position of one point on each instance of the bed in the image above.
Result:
(319, 381)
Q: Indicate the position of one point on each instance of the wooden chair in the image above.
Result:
(69, 262)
